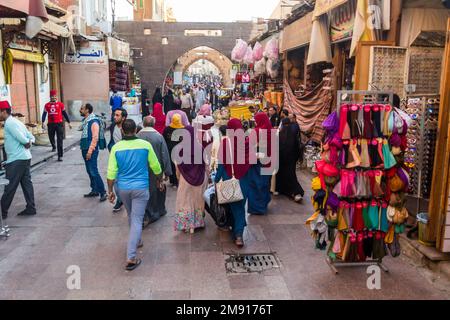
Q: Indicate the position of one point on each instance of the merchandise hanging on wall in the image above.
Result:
(359, 198)
(422, 138)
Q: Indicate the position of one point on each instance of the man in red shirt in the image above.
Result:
(55, 111)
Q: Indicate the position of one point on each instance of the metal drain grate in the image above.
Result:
(245, 263)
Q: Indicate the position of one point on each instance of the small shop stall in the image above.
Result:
(242, 109)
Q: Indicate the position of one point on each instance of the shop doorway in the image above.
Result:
(23, 90)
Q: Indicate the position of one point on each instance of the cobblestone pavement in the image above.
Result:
(70, 230)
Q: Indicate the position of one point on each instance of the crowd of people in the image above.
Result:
(262, 157)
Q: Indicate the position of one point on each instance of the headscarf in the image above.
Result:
(160, 117)
(205, 110)
(184, 118)
(194, 174)
(240, 169)
(176, 122)
(263, 123)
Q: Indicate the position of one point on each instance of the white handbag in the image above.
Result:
(229, 191)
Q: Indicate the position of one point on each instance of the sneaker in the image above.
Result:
(103, 197)
(298, 198)
(27, 213)
(53, 149)
(118, 206)
(91, 194)
(60, 159)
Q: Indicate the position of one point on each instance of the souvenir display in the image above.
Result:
(422, 139)
(360, 189)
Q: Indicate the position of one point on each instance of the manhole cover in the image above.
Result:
(245, 263)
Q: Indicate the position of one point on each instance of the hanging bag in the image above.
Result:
(229, 191)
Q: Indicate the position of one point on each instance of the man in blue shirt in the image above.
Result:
(115, 102)
(129, 164)
(18, 141)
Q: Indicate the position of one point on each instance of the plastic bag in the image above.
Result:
(239, 50)
(248, 59)
(258, 52)
(271, 50)
(260, 67)
(272, 68)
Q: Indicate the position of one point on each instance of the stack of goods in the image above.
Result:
(122, 78)
(360, 190)
(274, 97)
(422, 138)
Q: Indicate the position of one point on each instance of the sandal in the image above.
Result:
(239, 242)
(131, 266)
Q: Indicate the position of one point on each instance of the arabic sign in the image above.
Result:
(90, 52)
(342, 21)
(21, 42)
(323, 6)
(118, 50)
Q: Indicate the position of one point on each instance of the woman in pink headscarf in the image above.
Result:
(203, 123)
(160, 117)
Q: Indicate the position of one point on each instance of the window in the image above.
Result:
(203, 33)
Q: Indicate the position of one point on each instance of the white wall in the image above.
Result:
(124, 10)
(44, 88)
(4, 89)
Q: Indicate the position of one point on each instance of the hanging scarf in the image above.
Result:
(160, 117)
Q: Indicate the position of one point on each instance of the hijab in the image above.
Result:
(237, 147)
(176, 122)
(194, 174)
(160, 117)
(263, 123)
(205, 110)
(184, 118)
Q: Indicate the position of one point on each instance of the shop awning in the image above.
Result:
(26, 56)
(320, 46)
(297, 34)
(23, 9)
(52, 27)
(418, 20)
(324, 6)
(13, 54)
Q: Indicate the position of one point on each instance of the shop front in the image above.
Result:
(85, 76)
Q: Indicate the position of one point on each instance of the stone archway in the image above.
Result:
(157, 58)
(222, 62)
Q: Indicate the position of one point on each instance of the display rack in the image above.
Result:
(424, 112)
(351, 97)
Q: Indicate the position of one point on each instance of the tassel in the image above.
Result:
(343, 120)
(376, 121)
(368, 127)
(354, 110)
(387, 113)
(361, 253)
(368, 244)
(365, 213)
(353, 250)
(365, 158)
(361, 119)
(379, 247)
(382, 107)
(358, 220)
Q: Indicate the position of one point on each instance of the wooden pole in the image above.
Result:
(440, 182)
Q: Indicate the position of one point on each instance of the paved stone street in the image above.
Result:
(71, 230)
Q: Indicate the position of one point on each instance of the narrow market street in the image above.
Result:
(70, 230)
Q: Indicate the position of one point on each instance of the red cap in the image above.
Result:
(4, 105)
(53, 93)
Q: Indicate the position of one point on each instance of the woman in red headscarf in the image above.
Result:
(160, 117)
(259, 182)
(234, 162)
